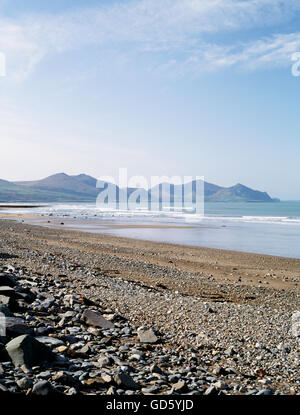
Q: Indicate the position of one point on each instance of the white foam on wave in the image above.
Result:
(91, 211)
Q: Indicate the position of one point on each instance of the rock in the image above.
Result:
(26, 297)
(212, 390)
(95, 319)
(6, 301)
(209, 309)
(46, 304)
(174, 378)
(50, 341)
(43, 331)
(122, 379)
(3, 388)
(5, 311)
(156, 369)
(7, 292)
(26, 350)
(16, 327)
(106, 378)
(69, 314)
(94, 382)
(72, 391)
(7, 280)
(43, 388)
(146, 336)
(9, 267)
(44, 375)
(24, 383)
(179, 386)
(219, 371)
(61, 360)
(61, 349)
(252, 392)
(265, 392)
(112, 391)
(85, 350)
(221, 385)
(230, 352)
(64, 379)
(296, 324)
(150, 391)
(135, 357)
(104, 361)
(4, 357)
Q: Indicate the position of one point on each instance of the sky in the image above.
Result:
(169, 87)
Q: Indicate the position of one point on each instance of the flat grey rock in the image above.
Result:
(95, 319)
(122, 379)
(26, 350)
(5, 311)
(7, 291)
(147, 336)
(7, 280)
(42, 388)
(50, 341)
(17, 327)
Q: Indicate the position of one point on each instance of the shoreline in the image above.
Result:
(226, 266)
(20, 206)
(61, 224)
(223, 314)
(278, 239)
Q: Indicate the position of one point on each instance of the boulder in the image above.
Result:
(179, 386)
(95, 319)
(8, 302)
(24, 383)
(156, 369)
(5, 311)
(124, 380)
(7, 291)
(64, 378)
(43, 388)
(26, 350)
(16, 327)
(104, 361)
(211, 390)
(146, 336)
(3, 353)
(7, 280)
(51, 342)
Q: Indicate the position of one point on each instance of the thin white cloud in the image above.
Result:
(274, 51)
(179, 27)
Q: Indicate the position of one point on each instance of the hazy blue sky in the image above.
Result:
(187, 87)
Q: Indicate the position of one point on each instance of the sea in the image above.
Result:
(264, 228)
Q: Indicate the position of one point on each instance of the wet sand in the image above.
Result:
(230, 269)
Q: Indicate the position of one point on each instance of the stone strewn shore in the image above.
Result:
(87, 317)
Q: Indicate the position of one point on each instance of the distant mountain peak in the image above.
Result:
(82, 188)
(58, 175)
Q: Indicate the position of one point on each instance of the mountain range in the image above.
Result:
(82, 188)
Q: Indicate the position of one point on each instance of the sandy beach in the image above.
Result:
(227, 267)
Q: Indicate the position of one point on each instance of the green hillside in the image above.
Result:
(82, 188)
